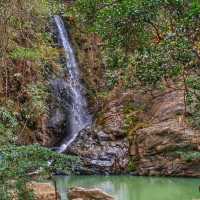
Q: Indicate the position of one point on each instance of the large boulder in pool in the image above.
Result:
(79, 193)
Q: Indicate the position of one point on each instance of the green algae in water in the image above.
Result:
(135, 188)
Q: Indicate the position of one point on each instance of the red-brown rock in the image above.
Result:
(79, 193)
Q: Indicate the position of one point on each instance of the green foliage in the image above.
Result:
(153, 41)
(189, 156)
(20, 155)
(125, 23)
(17, 162)
(131, 25)
(87, 11)
(28, 58)
(165, 60)
(8, 126)
(38, 93)
(115, 59)
(193, 11)
(131, 165)
(114, 25)
(131, 119)
(112, 78)
(193, 99)
(25, 54)
(7, 117)
(55, 7)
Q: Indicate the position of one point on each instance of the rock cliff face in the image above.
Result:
(168, 146)
(100, 152)
(55, 125)
(58, 120)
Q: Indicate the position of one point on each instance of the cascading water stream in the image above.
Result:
(78, 114)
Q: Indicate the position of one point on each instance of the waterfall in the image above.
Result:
(78, 114)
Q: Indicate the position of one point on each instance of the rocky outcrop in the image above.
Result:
(79, 193)
(165, 148)
(44, 191)
(113, 118)
(169, 146)
(167, 106)
(104, 149)
(101, 153)
(57, 124)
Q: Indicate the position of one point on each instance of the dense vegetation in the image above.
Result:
(148, 44)
(20, 164)
(28, 58)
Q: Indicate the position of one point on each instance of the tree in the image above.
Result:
(160, 38)
(17, 163)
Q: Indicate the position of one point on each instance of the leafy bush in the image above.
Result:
(38, 93)
(25, 54)
(159, 38)
(189, 155)
(165, 60)
(193, 99)
(17, 162)
(28, 58)
(8, 126)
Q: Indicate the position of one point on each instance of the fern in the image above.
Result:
(8, 118)
(21, 53)
(8, 126)
(38, 93)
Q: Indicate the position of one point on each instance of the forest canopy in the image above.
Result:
(158, 41)
(143, 45)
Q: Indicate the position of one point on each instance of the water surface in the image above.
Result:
(135, 188)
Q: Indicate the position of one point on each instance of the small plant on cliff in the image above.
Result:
(189, 155)
(131, 165)
(8, 126)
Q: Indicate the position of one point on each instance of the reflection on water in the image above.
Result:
(135, 188)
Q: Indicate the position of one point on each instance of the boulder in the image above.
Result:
(44, 191)
(100, 154)
(79, 193)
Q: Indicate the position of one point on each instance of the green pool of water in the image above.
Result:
(135, 188)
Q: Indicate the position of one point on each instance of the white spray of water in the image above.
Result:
(79, 117)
